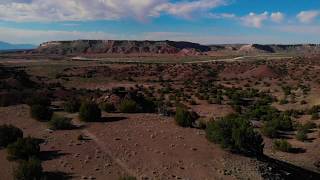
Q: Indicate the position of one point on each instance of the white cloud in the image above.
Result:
(255, 20)
(277, 17)
(222, 16)
(308, 16)
(187, 8)
(78, 10)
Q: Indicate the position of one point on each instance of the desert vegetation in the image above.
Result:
(214, 112)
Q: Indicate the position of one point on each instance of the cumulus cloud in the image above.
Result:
(78, 10)
(277, 17)
(186, 8)
(255, 20)
(222, 16)
(308, 16)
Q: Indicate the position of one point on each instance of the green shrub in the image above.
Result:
(282, 145)
(315, 116)
(60, 123)
(301, 135)
(107, 107)
(201, 123)
(282, 122)
(89, 112)
(9, 134)
(128, 106)
(23, 149)
(185, 118)
(72, 105)
(40, 112)
(269, 130)
(309, 125)
(28, 170)
(38, 100)
(235, 133)
(283, 101)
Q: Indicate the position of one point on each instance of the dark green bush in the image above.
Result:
(128, 106)
(23, 149)
(71, 105)
(30, 169)
(185, 118)
(60, 123)
(9, 134)
(40, 112)
(107, 107)
(89, 112)
(270, 130)
(282, 145)
(283, 101)
(309, 125)
(282, 122)
(315, 116)
(301, 135)
(38, 100)
(236, 134)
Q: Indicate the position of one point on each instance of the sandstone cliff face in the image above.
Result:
(118, 47)
(80, 47)
(270, 48)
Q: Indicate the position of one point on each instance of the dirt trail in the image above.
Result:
(101, 144)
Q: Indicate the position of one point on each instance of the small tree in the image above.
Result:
(128, 106)
(9, 134)
(60, 123)
(269, 130)
(89, 112)
(185, 118)
(315, 116)
(23, 149)
(38, 100)
(71, 105)
(28, 170)
(236, 134)
(107, 107)
(40, 112)
(301, 135)
(282, 145)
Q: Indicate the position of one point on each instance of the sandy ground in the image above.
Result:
(61, 151)
(144, 145)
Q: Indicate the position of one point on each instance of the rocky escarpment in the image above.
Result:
(80, 47)
(269, 48)
(119, 47)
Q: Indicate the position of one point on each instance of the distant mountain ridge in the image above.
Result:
(119, 47)
(9, 46)
(268, 48)
(78, 47)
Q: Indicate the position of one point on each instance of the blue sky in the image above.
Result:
(203, 21)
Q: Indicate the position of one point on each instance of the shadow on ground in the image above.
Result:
(282, 170)
(57, 175)
(50, 155)
(110, 119)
